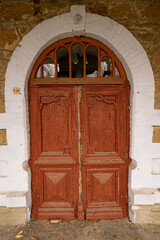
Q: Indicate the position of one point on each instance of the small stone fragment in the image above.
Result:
(55, 221)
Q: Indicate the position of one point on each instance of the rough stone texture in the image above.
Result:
(140, 17)
(3, 137)
(121, 10)
(12, 10)
(101, 9)
(156, 134)
(7, 54)
(3, 67)
(9, 36)
(2, 88)
(157, 93)
(148, 9)
(2, 105)
(12, 216)
(148, 214)
(23, 28)
(1, 54)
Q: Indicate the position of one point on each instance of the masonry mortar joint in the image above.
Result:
(17, 30)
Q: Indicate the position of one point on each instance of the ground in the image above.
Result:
(81, 230)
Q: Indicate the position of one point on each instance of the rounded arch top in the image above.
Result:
(85, 59)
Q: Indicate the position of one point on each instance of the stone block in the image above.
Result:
(33, 21)
(144, 199)
(156, 166)
(2, 88)
(2, 200)
(147, 214)
(3, 169)
(23, 28)
(12, 216)
(7, 54)
(78, 17)
(155, 59)
(157, 196)
(13, 11)
(140, 25)
(157, 100)
(51, 9)
(156, 134)
(3, 67)
(143, 36)
(120, 10)
(9, 37)
(156, 40)
(1, 54)
(3, 137)
(2, 105)
(100, 9)
(148, 9)
(157, 85)
(157, 93)
(16, 201)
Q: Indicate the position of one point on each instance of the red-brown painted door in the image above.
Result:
(104, 158)
(79, 157)
(54, 151)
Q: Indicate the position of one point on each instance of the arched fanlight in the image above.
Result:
(78, 58)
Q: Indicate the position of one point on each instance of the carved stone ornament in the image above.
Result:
(77, 19)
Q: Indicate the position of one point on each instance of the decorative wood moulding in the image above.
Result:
(78, 60)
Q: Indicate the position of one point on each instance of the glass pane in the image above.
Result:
(116, 72)
(48, 68)
(38, 73)
(106, 67)
(77, 61)
(62, 62)
(91, 62)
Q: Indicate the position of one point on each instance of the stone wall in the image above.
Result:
(140, 17)
(15, 155)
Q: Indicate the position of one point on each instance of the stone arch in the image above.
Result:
(132, 56)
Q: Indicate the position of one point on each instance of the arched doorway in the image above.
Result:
(79, 120)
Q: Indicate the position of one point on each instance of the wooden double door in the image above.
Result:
(79, 151)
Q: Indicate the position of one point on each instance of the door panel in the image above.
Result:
(54, 151)
(79, 132)
(102, 186)
(103, 141)
(101, 122)
(56, 193)
(55, 116)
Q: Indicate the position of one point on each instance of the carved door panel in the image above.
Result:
(104, 151)
(79, 157)
(54, 151)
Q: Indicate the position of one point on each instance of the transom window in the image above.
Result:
(78, 60)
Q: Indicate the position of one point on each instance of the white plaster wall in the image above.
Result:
(15, 177)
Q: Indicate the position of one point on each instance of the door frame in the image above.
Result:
(109, 81)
